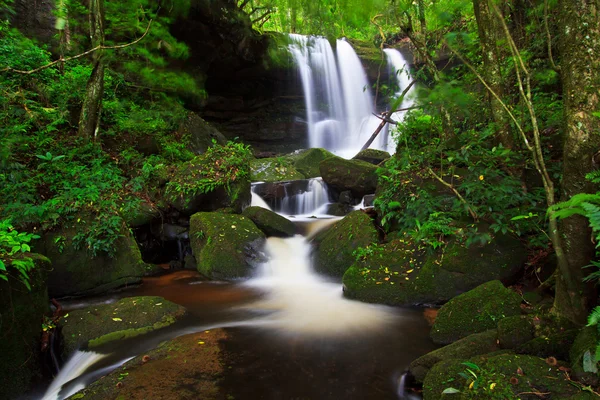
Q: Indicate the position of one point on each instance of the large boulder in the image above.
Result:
(272, 224)
(76, 271)
(477, 310)
(472, 345)
(335, 247)
(21, 315)
(209, 182)
(198, 134)
(372, 156)
(357, 176)
(97, 325)
(273, 170)
(307, 161)
(226, 246)
(187, 367)
(417, 276)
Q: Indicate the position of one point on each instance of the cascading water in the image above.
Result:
(399, 68)
(297, 198)
(338, 99)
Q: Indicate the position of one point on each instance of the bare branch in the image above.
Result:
(549, 37)
(449, 186)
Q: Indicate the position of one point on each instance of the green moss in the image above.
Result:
(335, 247)
(514, 331)
(372, 156)
(553, 345)
(586, 341)
(478, 310)
(272, 224)
(273, 170)
(21, 315)
(225, 245)
(357, 176)
(129, 317)
(307, 161)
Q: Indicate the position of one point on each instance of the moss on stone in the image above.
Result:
(553, 345)
(443, 375)
(142, 215)
(475, 311)
(76, 272)
(307, 161)
(357, 176)
(273, 170)
(272, 224)
(372, 156)
(587, 340)
(226, 246)
(514, 331)
(198, 134)
(129, 317)
(21, 316)
(472, 345)
(335, 247)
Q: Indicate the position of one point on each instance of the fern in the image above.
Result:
(594, 316)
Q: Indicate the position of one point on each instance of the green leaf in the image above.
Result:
(450, 390)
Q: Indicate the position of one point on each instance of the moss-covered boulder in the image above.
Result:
(472, 345)
(477, 310)
(21, 316)
(209, 182)
(335, 246)
(555, 345)
(129, 317)
(76, 271)
(401, 272)
(198, 134)
(143, 214)
(307, 161)
(514, 331)
(272, 224)
(503, 377)
(187, 367)
(226, 246)
(582, 354)
(357, 176)
(274, 170)
(372, 156)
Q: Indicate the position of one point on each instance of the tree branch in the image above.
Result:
(63, 60)
(449, 186)
(549, 37)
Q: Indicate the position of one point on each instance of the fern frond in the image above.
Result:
(594, 316)
(575, 202)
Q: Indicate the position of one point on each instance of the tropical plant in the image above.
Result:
(14, 247)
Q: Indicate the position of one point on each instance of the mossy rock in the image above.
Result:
(472, 345)
(514, 331)
(95, 326)
(235, 193)
(21, 316)
(359, 177)
(416, 276)
(198, 134)
(554, 345)
(499, 377)
(76, 272)
(372, 156)
(226, 246)
(143, 214)
(339, 209)
(307, 161)
(475, 311)
(582, 353)
(272, 224)
(187, 367)
(335, 246)
(273, 170)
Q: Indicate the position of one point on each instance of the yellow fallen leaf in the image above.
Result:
(492, 386)
(158, 304)
(409, 271)
(471, 385)
(201, 342)
(117, 319)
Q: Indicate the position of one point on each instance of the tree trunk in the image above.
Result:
(89, 119)
(490, 34)
(580, 49)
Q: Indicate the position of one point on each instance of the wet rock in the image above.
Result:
(95, 326)
(77, 272)
(415, 276)
(187, 367)
(475, 311)
(554, 345)
(226, 246)
(272, 224)
(346, 197)
(514, 331)
(273, 170)
(142, 215)
(357, 176)
(472, 345)
(200, 134)
(335, 246)
(582, 354)
(21, 314)
(307, 161)
(339, 209)
(372, 156)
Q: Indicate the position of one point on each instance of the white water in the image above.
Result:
(77, 365)
(398, 67)
(338, 99)
(298, 200)
(258, 201)
(303, 303)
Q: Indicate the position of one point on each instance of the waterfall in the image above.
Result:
(338, 99)
(298, 198)
(398, 67)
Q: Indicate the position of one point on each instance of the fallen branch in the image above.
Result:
(449, 186)
(383, 118)
(387, 116)
(64, 60)
(407, 109)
